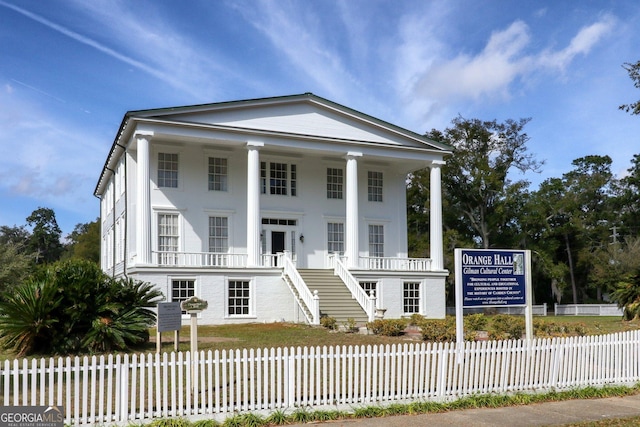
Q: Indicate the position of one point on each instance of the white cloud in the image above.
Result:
(434, 80)
(582, 43)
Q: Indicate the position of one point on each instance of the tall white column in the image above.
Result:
(253, 204)
(352, 251)
(143, 199)
(435, 220)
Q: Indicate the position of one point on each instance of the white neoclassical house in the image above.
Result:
(286, 208)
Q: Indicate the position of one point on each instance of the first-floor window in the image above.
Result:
(411, 297)
(369, 287)
(239, 297)
(335, 238)
(182, 289)
(218, 234)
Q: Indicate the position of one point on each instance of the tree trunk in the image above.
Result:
(573, 278)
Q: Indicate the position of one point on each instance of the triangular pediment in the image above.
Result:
(304, 115)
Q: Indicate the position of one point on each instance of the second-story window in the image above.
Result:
(218, 174)
(334, 183)
(374, 184)
(278, 178)
(168, 170)
(168, 238)
(335, 238)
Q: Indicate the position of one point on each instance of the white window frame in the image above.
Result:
(223, 183)
(251, 298)
(173, 279)
(163, 183)
(375, 186)
(335, 183)
(169, 259)
(415, 295)
(226, 230)
(331, 243)
(372, 243)
(269, 168)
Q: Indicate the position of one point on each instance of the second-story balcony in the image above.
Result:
(227, 260)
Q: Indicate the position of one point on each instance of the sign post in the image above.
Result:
(493, 278)
(169, 319)
(193, 306)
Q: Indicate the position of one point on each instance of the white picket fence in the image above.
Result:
(133, 388)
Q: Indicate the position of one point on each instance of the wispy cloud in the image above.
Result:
(489, 74)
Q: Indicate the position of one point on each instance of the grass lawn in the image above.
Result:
(267, 335)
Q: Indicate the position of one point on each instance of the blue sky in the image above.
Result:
(69, 70)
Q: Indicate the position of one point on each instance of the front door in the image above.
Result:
(277, 241)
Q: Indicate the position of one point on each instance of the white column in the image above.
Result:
(143, 199)
(352, 250)
(253, 204)
(435, 220)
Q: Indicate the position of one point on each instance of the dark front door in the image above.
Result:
(277, 241)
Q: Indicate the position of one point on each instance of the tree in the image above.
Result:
(84, 242)
(481, 197)
(45, 235)
(634, 74)
(14, 266)
(627, 202)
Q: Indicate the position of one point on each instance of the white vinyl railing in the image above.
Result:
(199, 259)
(133, 388)
(368, 303)
(310, 299)
(587, 310)
(394, 264)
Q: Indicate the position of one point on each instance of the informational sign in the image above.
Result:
(194, 305)
(493, 278)
(169, 316)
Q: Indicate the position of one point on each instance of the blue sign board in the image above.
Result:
(492, 278)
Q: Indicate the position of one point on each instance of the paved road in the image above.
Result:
(541, 414)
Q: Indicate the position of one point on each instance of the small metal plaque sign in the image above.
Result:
(31, 416)
(169, 316)
(194, 305)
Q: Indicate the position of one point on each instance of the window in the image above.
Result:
(182, 289)
(218, 234)
(168, 235)
(376, 240)
(217, 174)
(277, 179)
(335, 238)
(411, 297)
(239, 297)
(374, 184)
(334, 183)
(369, 287)
(168, 170)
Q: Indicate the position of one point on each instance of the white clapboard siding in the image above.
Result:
(129, 388)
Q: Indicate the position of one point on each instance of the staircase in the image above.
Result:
(335, 298)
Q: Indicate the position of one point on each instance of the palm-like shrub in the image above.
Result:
(73, 307)
(27, 320)
(627, 295)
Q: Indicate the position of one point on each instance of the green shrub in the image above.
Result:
(476, 322)
(328, 322)
(439, 330)
(387, 327)
(504, 326)
(73, 307)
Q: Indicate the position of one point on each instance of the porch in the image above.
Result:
(240, 260)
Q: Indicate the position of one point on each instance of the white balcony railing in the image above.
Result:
(200, 259)
(394, 264)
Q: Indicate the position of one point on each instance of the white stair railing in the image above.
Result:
(368, 303)
(310, 299)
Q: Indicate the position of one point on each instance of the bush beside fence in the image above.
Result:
(133, 388)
